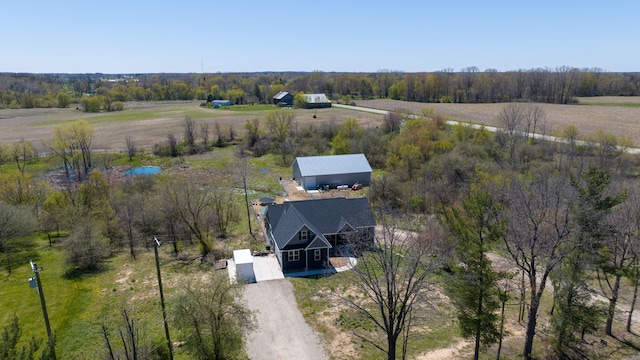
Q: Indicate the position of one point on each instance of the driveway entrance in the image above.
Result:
(282, 332)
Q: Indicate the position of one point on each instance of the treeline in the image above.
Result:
(470, 85)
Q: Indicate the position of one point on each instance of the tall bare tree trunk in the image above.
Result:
(633, 301)
(503, 298)
(611, 310)
(532, 320)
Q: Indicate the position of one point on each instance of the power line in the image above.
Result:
(35, 269)
(156, 245)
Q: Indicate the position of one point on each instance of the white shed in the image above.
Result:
(244, 266)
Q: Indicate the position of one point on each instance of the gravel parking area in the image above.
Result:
(282, 332)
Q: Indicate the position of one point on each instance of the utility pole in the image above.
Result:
(156, 245)
(35, 269)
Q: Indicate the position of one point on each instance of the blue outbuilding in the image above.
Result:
(217, 103)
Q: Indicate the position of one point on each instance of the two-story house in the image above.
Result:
(302, 233)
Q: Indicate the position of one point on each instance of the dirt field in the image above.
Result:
(619, 120)
(149, 123)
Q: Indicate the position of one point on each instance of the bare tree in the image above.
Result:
(133, 336)
(253, 132)
(21, 152)
(219, 136)
(131, 147)
(86, 247)
(393, 283)
(204, 133)
(534, 117)
(189, 131)
(538, 235)
(15, 221)
(570, 133)
(635, 277)
(173, 145)
(392, 122)
(126, 209)
(231, 133)
(511, 118)
(634, 226)
(225, 212)
(280, 124)
(192, 205)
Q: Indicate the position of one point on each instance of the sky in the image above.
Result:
(141, 36)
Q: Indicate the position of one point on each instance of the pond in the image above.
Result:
(143, 170)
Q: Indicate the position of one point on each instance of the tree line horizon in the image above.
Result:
(559, 85)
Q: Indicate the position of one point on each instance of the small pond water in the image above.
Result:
(143, 170)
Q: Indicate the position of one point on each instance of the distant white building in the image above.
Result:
(316, 101)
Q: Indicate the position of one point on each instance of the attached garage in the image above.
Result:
(312, 172)
(244, 266)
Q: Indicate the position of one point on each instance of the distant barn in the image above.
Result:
(283, 98)
(332, 171)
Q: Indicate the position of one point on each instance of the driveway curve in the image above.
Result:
(282, 332)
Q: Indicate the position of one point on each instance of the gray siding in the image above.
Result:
(344, 179)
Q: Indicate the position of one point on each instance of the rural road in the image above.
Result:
(475, 126)
(282, 333)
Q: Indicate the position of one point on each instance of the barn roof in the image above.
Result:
(316, 98)
(281, 95)
(333, 164)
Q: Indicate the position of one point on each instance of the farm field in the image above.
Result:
(149, 123)
(618, 115)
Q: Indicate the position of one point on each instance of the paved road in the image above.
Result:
(282, 333)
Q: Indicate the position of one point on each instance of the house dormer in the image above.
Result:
(304, 235)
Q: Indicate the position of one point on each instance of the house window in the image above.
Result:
(317, 255)
(294, 255)
(304, 235)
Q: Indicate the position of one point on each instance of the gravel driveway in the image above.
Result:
(282, 332)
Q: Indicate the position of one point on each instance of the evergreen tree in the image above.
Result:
(574, 312)
(592, 207)
(473, 288)
(9, 339)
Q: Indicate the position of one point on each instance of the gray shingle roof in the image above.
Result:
(334, 164)
(321, 216)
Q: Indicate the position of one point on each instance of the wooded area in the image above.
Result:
(469, 85)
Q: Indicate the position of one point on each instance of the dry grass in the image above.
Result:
(623, 120)
(149, 123)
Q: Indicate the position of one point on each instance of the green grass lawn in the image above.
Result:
(251, 108)
(595, 103)
(78, 304)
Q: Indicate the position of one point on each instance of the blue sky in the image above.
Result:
(140, 36)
